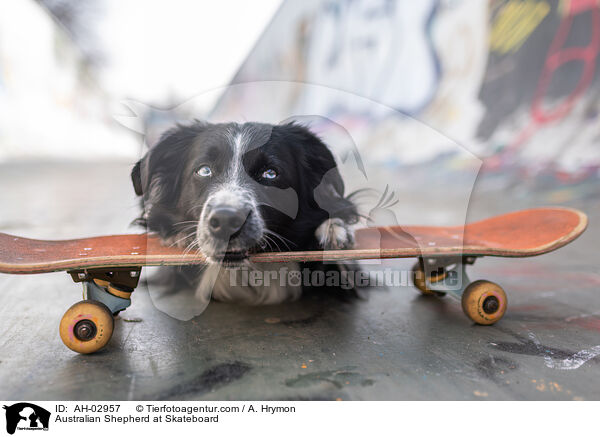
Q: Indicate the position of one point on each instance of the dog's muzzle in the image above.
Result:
(225, 223)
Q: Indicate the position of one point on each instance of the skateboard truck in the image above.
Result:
(112, 287)
(442, 274)
(87, 326)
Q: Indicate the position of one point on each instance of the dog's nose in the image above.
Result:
(224, 222)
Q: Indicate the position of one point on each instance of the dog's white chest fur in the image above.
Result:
(269, 284)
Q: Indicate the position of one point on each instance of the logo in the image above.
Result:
(26, 416)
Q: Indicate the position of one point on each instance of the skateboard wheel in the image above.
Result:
(419, 280)
(484, 302)
(86, 327)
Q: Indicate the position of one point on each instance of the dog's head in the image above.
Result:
(227, 189)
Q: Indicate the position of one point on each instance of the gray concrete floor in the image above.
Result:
(394, 344)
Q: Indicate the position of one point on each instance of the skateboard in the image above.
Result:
(109, 266)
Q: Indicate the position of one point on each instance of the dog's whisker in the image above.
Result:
(266, 243)
(182, 238)
(269, 240)
(188, 232)
(193, 208)
(186, 227)
(281, 237)
(190, 247)
(274, 242)
(277, 248)
(186, 221)
(191, 243)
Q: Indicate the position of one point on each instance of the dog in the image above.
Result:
(228, 190)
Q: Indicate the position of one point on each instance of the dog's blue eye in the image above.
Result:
(204, 171)
(269, 174)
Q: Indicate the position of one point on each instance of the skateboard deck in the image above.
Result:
(517, 234)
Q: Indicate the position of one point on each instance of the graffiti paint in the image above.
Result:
(516, 20)
(572, 362)
(513, 81)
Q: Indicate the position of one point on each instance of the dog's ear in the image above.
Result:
(136, 178)
(332, 180)
(157, 176)
(328, 191)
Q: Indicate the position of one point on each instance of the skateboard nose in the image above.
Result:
(223, 222)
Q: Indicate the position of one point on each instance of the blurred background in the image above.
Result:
(514, 82)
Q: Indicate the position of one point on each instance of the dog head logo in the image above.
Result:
(26, 416)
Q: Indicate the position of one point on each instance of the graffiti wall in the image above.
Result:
(515, 82)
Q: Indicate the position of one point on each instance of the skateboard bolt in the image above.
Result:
(491, 304)
(85, 330)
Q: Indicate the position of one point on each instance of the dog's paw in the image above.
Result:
(334, 233)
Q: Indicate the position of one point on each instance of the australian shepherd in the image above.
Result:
(227, 190)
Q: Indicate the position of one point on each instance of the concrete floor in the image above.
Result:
(394, 344)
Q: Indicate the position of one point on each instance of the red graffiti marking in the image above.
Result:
(557, 56)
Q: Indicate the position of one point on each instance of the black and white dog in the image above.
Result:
(229, 189)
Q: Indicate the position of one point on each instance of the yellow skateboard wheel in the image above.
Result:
(419, 280)
(86, 327)
(484, 302)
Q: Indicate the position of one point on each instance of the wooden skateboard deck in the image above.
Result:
(518, 234)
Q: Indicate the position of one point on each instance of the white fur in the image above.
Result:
(334, 233)
(218, 282)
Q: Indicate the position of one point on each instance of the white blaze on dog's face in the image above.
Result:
(230, 222)
(227, 189)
